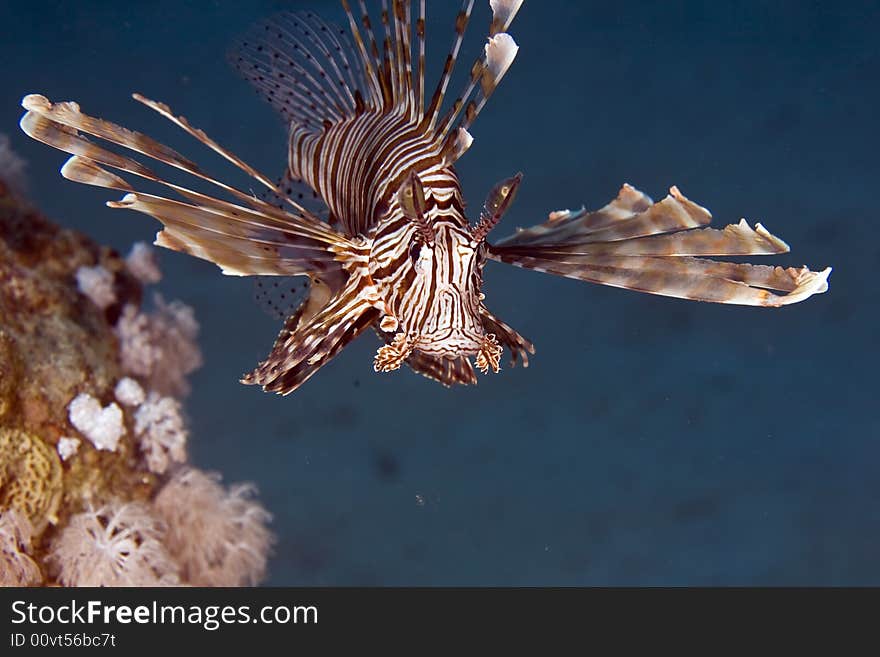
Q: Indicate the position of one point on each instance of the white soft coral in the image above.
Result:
(161, 432)
(219, 536)
(160, 347)
(141, 262)
(119, 544)
(97, 284)
(103, 426)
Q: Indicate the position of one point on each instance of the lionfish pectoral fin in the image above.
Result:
(392, 355)
(306, 345)
(245, 238)
(519, 347)
(640, 245)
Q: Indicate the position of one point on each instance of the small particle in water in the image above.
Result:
(420, 500)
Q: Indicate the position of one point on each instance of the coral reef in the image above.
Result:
(16, 566)
(94, 486)
(97, 284)
(102, 426)
(12, 168)
(160, 347)
(30, 477)
(219, 537)
(116, 545)
(161, 432)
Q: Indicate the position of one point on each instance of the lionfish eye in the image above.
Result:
(412, 198)
(415, 251)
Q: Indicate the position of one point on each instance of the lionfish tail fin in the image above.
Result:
(245, 237)
(661, 248)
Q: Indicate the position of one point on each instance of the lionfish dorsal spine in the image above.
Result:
(419, 80)
(488, 69)
(357, 115)
(461, 23)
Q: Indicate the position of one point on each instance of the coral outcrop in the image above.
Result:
(94, 486)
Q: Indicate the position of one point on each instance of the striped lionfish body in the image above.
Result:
(391, 248)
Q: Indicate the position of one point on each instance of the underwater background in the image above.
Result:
(651, 441)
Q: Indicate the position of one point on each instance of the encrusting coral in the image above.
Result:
(94, 489)
(30, 477)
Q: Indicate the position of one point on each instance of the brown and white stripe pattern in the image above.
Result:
(660, 248)
(393, 249)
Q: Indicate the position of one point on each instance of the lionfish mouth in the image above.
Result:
(485, 348)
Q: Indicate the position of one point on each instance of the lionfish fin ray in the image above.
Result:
(59, 125)
(290, 190)
(649, 247)
(239, 247)
(447, 371)
(402, 36)
(631, 215)
(518, 346)
(461, 20)
(419, 78)
(307, 69)
(307, 344)
(259, 239)
(488, 69)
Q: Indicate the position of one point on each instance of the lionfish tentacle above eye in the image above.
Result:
(497, 202)
(651, 247)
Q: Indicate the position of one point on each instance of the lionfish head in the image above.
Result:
(441, 312)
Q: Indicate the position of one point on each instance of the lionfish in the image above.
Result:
(390, 246)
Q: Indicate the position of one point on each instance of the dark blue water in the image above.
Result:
(653, 441)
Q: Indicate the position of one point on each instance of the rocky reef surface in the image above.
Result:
(95, 488)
